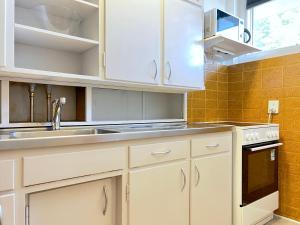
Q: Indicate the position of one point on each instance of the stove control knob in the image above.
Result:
(269, 134)
(248, 137)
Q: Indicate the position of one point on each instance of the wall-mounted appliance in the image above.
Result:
(221, 23)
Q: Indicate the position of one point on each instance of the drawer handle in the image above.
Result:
(161, 153)
(106, 201)
(1, 215)
(184, 180)
(197, 176)
(212, 146)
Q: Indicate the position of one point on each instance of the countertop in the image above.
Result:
(121, 133)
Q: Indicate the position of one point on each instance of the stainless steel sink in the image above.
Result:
(57, 133)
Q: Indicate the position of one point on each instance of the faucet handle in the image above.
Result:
(63, 100)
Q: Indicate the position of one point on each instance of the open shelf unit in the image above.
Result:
(53, 40)
(83, 7)
(222, 48)
(60, 36)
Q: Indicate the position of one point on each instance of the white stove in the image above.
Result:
(255, 172)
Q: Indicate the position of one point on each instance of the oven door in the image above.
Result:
(260, 171)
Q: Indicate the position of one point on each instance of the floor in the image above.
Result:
(279, 221)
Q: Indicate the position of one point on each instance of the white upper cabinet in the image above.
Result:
(183, 43)
(133, 36)
(2, 34)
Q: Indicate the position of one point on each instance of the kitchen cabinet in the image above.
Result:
(133, 35)
(211, 190)
(183, 43)
(7, 204)
(91, 203)
(2, 33)
(159, 195)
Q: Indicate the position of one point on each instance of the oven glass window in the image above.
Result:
(226, 21)
(260, 171)
(260, 175)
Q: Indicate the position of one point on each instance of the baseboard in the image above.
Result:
(287, 219)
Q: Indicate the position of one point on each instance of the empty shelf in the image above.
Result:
(228, 46)
(48, 39)
(82, 7)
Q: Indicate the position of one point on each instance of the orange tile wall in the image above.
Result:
(211, 104)
(250, 87)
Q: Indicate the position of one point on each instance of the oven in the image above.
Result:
(259, 171)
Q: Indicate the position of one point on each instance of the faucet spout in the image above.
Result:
(56, 112)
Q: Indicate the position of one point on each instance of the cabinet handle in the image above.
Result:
(106, 201)
(184, 180)
(170, 72)
(197, 176)
(1, 215)
(212, 146)
(161, 153)
(156, 69)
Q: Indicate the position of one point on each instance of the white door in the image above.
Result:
(159, 195)
(2, 33)
(83, 204)
(7, 204)
(133, 40)
(183, 44)
(211, 201)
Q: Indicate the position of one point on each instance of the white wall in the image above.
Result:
(235, 7)
(209, 4)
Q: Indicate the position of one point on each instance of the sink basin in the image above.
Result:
(57, 133)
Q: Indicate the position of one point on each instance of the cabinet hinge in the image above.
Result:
(27, 215)
(104, 59)
(127, 192)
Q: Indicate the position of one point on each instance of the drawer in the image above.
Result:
(7, 209)
(212, 143)
(142, 155)
(48, 168)
(7, 175)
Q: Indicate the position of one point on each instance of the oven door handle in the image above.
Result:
(266, 147)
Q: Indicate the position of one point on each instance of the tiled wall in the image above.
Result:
(212, 104)
(250, 86)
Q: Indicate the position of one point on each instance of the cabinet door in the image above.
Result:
(133, 40)
(211, 191)
(183, 44)
(7, 204)
(2, 33)
(89, 203)
(159, 195)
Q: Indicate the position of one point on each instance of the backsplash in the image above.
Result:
(211, 104)
(250, 87)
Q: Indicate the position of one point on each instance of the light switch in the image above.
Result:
(273, 106)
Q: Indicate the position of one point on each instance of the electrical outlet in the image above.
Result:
(273, 106)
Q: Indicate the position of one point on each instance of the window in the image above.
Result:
(276, 24)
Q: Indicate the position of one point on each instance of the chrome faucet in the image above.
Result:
(56, 112)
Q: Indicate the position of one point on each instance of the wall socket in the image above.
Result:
(273, 106)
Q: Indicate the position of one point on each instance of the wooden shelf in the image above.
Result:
(227, 48)
(48, 39)
(82, 7)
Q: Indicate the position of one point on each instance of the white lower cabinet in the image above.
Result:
(91, 203)
(159, 195)
(7, 204)
(211, 190)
